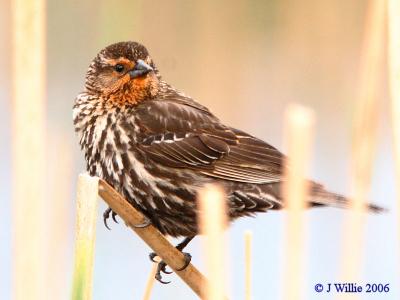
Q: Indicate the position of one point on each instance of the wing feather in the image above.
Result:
(205, 144)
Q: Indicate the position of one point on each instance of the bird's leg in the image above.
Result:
(106, 216)
(162, 265)
(182, 246)
(184, 243)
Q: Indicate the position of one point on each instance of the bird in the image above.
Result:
(158, 147)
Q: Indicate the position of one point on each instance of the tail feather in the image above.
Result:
(322, 197)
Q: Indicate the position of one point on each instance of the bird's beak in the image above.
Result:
(140, 69)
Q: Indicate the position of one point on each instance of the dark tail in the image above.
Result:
(321, 197)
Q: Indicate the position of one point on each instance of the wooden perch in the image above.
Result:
(152, 237)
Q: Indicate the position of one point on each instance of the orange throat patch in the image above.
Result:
(129, 91)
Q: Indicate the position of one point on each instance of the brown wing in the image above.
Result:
(180, 135)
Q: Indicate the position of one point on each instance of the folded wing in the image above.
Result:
(183, 136)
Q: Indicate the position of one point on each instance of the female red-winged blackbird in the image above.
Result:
(158, 147)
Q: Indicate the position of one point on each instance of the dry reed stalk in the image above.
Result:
(151, 279)
(152, 237)
(150, 282)
(394, 81)
(212, 222)
(299, 123)
(87, 193)
(364, 136)
(28, 148)
(248, 238)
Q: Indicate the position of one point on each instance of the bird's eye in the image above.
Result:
(119, 68)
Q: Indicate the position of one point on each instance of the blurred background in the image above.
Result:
(245, 60)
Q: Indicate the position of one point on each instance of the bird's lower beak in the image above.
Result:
(140, 69)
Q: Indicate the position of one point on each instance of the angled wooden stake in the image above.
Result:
(152, 237)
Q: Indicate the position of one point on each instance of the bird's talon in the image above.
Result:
(188, 258)
(146, 223)
(159, 279)
(161, 268)
(152, 257)
(106, 216)
(113, 215)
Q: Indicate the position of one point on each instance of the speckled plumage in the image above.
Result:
(157, 147)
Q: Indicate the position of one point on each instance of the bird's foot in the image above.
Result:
(188, 259)
(145, 223)
(161, 267)
(106, 216)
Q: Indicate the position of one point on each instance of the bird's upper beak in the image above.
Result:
(140, 69)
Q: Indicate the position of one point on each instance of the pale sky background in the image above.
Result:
(245, 60)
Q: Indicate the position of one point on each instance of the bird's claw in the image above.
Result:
(161, 267)
(145, 223)
(153, 255)
(188, 258)
(161, 264)
(106, 216)
(114, 215)
(159, 277)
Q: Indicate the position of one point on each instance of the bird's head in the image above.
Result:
(123, 73)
